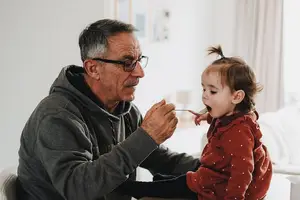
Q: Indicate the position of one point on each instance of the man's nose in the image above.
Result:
(138, 71)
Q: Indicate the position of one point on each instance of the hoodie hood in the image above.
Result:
(70, 81)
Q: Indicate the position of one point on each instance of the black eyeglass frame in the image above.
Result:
(128, 66)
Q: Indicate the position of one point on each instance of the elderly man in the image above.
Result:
(86, 137)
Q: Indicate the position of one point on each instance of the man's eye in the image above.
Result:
(128, 63)
(213, 92)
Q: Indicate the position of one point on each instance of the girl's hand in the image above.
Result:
(199, 117)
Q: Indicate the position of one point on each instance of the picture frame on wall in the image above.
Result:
(134, 12)
(123, 10)
(140, 18)
(160, 23)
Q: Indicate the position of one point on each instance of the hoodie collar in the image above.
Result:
(71, 80)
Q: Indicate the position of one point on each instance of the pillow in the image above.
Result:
(273, 138)
(289, 118)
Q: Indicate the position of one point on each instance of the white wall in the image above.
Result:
(37, 39)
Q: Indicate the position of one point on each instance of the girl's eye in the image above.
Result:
(213, 92)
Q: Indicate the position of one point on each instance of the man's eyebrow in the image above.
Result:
(130, 57)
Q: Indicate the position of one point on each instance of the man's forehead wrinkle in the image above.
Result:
(125, 49)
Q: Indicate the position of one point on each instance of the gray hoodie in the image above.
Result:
(72, 148)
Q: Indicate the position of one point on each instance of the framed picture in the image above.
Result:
(160, 22)
(123, 10)
(140, 18)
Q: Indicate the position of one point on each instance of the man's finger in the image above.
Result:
(173, 123)
(170, 116)
(165, 109)
(155, 107)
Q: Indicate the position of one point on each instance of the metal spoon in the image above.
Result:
(201, 112)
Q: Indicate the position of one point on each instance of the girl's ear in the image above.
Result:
(238, 96)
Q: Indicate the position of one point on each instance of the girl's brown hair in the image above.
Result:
(237, 75)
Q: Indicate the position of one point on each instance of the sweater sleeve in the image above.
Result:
(165, 161)
(65, 151)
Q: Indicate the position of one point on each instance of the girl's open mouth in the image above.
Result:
(208, 108)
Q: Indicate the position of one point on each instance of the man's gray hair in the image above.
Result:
(93, 40)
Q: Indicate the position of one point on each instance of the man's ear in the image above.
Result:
(238, 96)
(90, 67)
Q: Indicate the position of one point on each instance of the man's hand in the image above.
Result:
(160, 121)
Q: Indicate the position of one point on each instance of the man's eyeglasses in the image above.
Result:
(128, 65)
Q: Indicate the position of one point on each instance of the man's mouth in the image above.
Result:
(132, 84)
